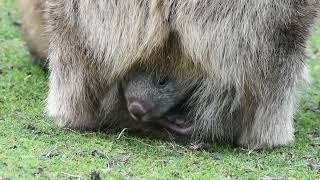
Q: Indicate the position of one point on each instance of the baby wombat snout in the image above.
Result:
(138, 108)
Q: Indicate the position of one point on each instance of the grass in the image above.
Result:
(32, 147)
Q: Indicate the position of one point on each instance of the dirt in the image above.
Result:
(313, 165)
(95, 176)
(35, 130)
(315, 134)
(98, 154)
(313, 107)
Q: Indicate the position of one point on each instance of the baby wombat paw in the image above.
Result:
(177, 124)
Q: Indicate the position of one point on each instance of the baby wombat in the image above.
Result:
(158, 97)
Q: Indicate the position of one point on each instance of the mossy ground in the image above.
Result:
(32, 147)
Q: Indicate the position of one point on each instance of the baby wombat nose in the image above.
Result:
(138, 110)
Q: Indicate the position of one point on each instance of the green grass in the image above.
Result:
(32, 147)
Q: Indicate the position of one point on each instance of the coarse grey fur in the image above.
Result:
(251, 54)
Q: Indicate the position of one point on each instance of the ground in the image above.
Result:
(32, 147)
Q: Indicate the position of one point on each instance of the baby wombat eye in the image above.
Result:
(162, 81)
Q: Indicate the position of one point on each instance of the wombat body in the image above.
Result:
(249, 53)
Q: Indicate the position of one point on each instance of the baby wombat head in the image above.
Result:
(151, 94)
